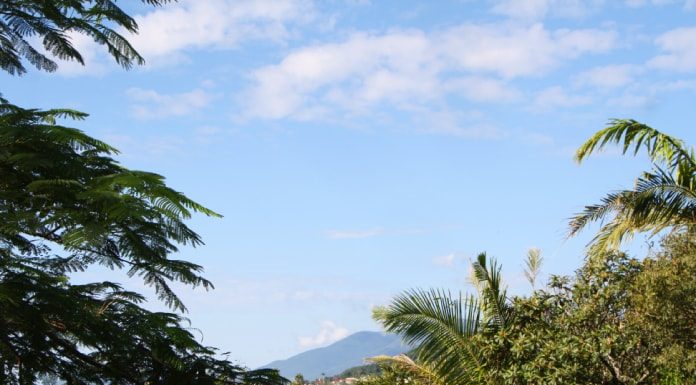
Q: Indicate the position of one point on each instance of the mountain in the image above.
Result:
(339, 356)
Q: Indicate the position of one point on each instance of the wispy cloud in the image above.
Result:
(382, 231)
(167, 35)
(557, 96)
(609, 76)
(538, 9)
(444, 260)
(413, 67)
(354, 234)
(328, 333)
(679, 47)
(150, 104)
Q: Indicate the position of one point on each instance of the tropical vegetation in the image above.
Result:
(618, 320)
(663, 198)
(67, 205)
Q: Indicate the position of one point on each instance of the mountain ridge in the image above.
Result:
(341, 355)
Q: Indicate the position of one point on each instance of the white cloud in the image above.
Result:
(329, 333)
(380, 231)
(632, 100)
(165, 33)
(444, 261)
(512, 51)
(359, 234)
(608, 77)
(150, 104)
(482, 89)
(680, 50)
(642, 3)
(646, 96)
(455, 123)
(525, 9)
(538, 9)
(539, 139)
(147, 146)
(404, 68)
(556, 96)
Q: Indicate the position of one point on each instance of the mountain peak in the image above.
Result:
(339, 356)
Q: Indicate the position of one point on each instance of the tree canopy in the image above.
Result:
(67, 204)
(61, 186)
(52, 22)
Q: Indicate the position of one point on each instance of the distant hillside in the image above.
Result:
(339, 356)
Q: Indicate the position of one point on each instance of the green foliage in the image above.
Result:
(53, 22)
(664, 198)
(443, 326)
(66, 205)
(97, 334)
(61, 186)
(663, 297)
(299, 380)
(619, 320)
(400, 370)
(360, 371)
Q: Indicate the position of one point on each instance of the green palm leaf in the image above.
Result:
(662, 199)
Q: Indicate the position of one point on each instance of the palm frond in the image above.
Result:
(422, 372)
(661, 199)
(441, 326)
(496, 311)
(533, 265)
(661, 148)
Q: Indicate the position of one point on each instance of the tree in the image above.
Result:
(444, 327)
(299, 380)
(664, 198)
(66, 204)
(617, 321)
(53, 22)
(61, 186)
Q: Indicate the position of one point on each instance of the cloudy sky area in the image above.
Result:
(359, 148)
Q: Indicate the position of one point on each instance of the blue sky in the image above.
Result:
(360, 148)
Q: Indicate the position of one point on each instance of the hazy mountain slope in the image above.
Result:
(339, 356)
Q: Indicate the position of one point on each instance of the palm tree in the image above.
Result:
(442, 326)
(663, 198)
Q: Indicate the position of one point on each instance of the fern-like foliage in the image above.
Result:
(98, 334)
(52, 22)
(61, 186)
(663, 198)
(65, 205)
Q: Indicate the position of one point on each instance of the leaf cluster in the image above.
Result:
(67, 204)
(444, 326)
(61, 187)
(663, 198)
(53, 23)
(618, 320)
(98, 333)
